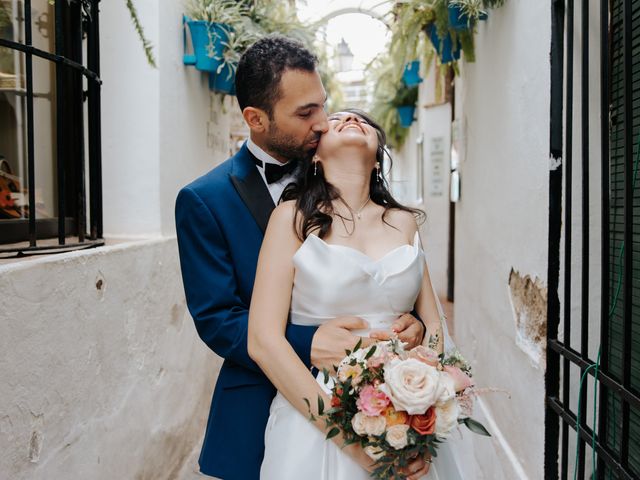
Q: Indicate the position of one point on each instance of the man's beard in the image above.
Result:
(286, 146)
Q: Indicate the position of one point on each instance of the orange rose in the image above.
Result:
(395, 417)
(424, 424)
(335, 400)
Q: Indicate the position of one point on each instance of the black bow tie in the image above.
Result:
(274, 172)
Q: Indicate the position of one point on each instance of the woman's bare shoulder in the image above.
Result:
(285, 211)
(281, 222)
(404, 221)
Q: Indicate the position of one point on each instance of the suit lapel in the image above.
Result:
(251, 187)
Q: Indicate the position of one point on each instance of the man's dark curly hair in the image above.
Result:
(261, 67)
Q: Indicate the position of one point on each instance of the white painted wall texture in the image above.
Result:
(501, 224)
(103, 375)
(161, 127)
(502, 109)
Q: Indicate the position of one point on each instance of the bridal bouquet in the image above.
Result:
(398, 404)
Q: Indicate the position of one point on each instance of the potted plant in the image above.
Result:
(210, 22)
(238, 40)
(446, 46)
(405, 103)
(411, 74)
(463, 14)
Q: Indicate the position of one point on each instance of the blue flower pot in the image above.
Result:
(207, 39)
(224, 81)
(406, 115)
(460, 21)
(411, 74)
(457, 19)
(187, 59)
(444, 47)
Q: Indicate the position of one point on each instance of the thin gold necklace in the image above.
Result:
(358, 213)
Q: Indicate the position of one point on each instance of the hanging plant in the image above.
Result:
(133, 13)
(386, 99)
(405, 104)
(210, 23)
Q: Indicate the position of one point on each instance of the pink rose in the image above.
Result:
(460, 379)
(381, 356)
(425, 355)
(372, 401)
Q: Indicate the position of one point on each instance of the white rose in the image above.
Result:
(411, 385)
(366, 425)
(397, 436)
(446, 388)
(447, 417)
(374, 453)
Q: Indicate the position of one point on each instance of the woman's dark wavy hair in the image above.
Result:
(314, 195)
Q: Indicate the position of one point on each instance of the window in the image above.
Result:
(50, 176)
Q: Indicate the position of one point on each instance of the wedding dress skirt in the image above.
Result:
(331, 281)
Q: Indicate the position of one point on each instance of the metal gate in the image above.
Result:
(592, 415)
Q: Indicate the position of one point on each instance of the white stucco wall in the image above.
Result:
(103, 375)
(501, 224)
(433, 122)
(161, 128)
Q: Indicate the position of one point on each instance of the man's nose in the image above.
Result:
(322, 126)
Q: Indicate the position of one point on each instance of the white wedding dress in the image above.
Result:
(331, 281)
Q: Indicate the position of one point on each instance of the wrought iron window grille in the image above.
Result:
(77, 178)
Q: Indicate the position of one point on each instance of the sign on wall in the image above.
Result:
(437, 167)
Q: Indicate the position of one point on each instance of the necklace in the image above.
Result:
(358, 213)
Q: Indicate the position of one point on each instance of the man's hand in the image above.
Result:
(334, 337)
(408, 328)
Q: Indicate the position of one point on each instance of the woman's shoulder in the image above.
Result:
(283, 218)
(403, 220)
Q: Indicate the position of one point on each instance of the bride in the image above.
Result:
(340, 245)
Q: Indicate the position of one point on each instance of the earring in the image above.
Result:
(378, 175)
(316, 159)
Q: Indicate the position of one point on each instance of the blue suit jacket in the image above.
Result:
(220, 221)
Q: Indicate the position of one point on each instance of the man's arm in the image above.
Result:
(220, 316)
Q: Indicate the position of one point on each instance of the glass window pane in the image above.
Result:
(13, 144)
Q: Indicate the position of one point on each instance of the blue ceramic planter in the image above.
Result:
(223, 82)
(444, 47)
(202, 34)
(457, 19)
(411, 74)
(460, 21)
(406, 115)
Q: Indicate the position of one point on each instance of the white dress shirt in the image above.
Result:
(275, 188)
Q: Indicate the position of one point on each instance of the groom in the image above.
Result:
(220, 220)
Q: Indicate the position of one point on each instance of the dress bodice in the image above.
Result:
(335, 280)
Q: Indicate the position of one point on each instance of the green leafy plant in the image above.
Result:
(228, 12)
(137, 25)
(146, 44)
(386, 86)
(405, 96)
